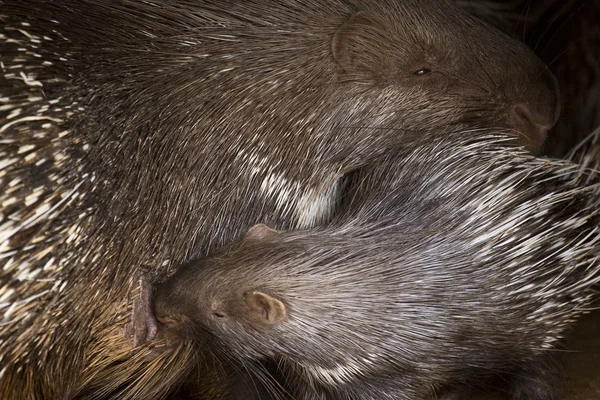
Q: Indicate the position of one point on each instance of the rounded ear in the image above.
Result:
(265, 309)
(259, 231)
(358, 46)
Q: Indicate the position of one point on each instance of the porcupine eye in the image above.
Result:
(218, 315)
(422, 71)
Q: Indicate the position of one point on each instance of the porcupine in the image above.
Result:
(471, 263)
(138, 135)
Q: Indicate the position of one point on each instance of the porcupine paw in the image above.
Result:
(143, 325)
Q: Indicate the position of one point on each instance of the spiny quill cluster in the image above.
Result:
(46, 294)
(41, 196)
(471, 261)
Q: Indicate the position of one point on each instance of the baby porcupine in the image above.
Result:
(467, 262)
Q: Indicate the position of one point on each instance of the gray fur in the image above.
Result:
(469, 260)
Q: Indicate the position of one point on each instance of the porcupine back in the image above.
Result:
(54, 277)
(42, 192)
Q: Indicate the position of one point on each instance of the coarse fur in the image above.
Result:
(470, 262)
(137, 135)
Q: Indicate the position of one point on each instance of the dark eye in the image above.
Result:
(218, 315)
(422, 71)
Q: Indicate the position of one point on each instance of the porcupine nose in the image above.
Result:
(538, 114)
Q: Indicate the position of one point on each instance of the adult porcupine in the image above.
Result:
(138, 133)
(471, 263)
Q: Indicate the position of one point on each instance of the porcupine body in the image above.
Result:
(135, 135)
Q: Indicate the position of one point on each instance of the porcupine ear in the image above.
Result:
(265, 309)
(358, 46)
(259, 231)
